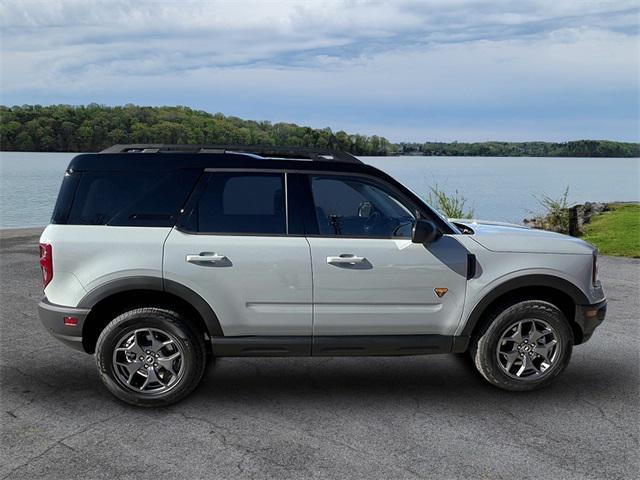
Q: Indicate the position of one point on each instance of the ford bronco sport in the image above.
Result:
(160, 258)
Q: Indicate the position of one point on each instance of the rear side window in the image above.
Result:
(246, 203)
(124, 198)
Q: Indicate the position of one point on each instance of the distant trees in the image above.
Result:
(579, 148)
(91, 128)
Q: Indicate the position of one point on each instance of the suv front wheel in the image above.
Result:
(150, 357)
(523, 347)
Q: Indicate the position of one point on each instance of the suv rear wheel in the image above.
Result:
(150, 357)
(523, 347)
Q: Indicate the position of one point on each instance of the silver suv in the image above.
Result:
(160, 258)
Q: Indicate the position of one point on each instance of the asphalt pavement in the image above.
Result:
(326, 418)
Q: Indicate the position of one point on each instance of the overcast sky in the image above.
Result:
(409, 70)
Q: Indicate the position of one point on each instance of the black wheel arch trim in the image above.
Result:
(532, 280)
(200, 304)
(155, 284)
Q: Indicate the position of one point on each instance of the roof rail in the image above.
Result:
(316, 154)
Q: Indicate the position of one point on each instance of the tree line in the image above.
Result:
(91, 128)
(577, 148)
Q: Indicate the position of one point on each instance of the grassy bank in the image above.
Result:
(616, 232)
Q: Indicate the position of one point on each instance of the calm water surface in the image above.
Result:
(498, 188)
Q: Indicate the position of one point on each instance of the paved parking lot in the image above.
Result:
(410, 417)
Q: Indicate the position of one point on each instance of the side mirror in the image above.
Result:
(425, 231)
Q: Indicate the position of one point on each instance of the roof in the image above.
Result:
(156, 157)
(265, 151)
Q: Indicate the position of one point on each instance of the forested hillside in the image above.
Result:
(91, 128)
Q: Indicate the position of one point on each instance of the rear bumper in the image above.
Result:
(588, 317)
(52, 317)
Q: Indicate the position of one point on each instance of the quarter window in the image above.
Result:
(130, 198)
(356, 207)
(252, 203)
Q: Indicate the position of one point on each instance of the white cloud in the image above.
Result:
(326, 61)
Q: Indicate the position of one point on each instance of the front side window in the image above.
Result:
(357, 207)
(235, 202)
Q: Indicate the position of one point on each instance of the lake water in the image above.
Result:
(498, 188)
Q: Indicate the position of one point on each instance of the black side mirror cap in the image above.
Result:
(425, 231)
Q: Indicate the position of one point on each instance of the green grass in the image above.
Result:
(616, 232)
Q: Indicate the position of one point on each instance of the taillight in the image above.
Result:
(46, 262)
(594, 268)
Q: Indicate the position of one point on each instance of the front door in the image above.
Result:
(233, 249)
(369, 278)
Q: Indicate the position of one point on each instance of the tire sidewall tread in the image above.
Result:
(192, 343)
(484, 344)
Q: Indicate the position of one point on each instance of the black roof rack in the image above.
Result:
(317, 154)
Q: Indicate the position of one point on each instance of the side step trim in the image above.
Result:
(380, 345)
(261, 346)
(343, 345)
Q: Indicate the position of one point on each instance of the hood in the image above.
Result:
(508, 237)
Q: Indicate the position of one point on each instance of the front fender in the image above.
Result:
(500, 288)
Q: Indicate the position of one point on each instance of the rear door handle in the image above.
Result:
(345, 259)
(205, 257)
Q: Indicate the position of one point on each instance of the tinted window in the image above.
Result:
(65, 198)
(357, 207)
(241, 203)
(125, 198)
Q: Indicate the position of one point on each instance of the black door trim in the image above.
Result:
(325, 345)
(380, 345)
(261, 346)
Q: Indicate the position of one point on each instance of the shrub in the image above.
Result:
(450, 205)
(556, 217)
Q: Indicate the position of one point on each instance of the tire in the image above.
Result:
(501, 350)
(154, 341)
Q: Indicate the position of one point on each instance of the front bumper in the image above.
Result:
(52, 317)
(588, 317)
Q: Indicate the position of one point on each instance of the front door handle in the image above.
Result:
(345, 259)
(206, 257)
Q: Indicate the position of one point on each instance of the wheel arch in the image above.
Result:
(109, 300)
(555, 290)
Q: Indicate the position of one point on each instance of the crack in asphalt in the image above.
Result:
(60, 441)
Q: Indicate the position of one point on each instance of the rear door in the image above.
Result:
(369, 278)
(233, 248)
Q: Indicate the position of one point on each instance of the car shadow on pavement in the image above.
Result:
(253, 381)
(443, 378)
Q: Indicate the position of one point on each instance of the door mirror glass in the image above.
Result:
(425, 231)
